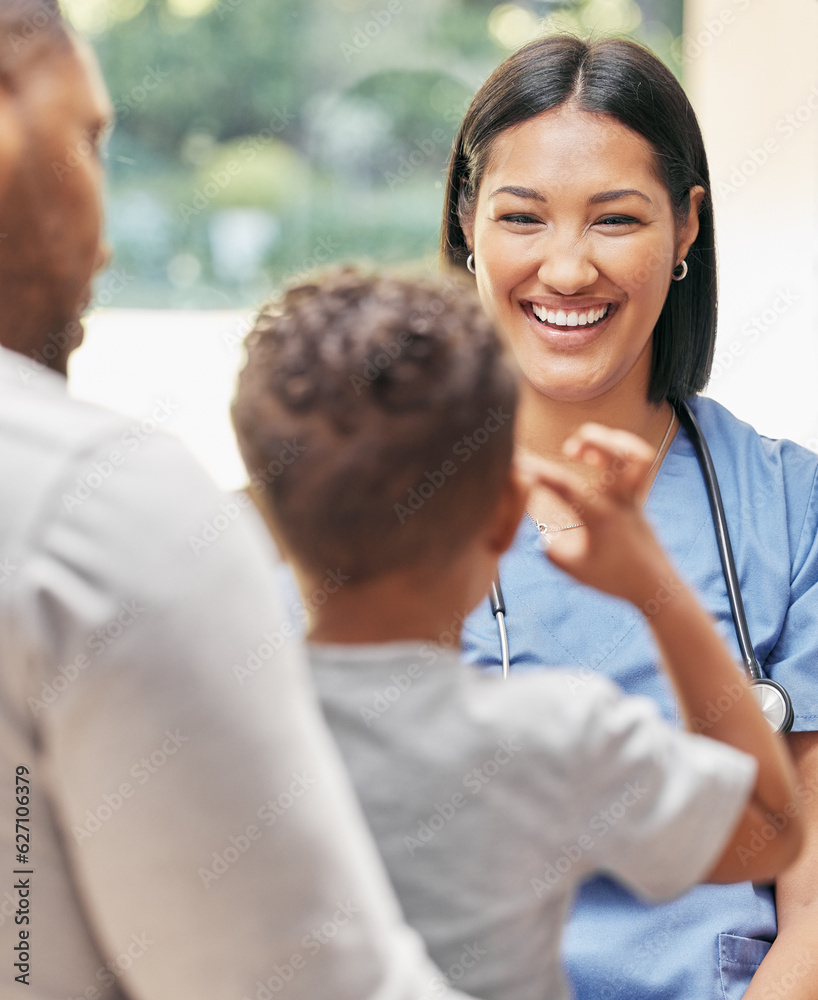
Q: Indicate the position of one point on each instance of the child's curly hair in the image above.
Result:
(375, 416)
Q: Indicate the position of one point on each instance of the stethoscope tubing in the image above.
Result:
(728, 564)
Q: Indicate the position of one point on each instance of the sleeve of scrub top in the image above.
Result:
(793, 661)
(657, 806)
(239, 852)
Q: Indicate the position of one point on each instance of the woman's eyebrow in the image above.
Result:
(520, 192)
(596, 199)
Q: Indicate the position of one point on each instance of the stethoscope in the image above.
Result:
(772, 698)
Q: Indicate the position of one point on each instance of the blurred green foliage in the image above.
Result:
(259, 139)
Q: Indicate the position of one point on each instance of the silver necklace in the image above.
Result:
(545, 529)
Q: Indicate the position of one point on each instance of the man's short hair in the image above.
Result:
(27, 27)
(375, 416)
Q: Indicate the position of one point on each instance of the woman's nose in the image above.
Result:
(566, 267)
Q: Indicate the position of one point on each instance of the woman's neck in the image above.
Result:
(544, 424)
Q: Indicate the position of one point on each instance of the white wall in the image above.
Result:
(751, 69)
(173, 370)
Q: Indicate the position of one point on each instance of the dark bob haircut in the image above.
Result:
(619, 78)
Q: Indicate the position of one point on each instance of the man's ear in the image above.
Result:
(504, 520)
(11, 136)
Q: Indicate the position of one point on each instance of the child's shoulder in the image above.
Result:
(570, 714)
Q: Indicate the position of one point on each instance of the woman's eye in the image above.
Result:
(618, 220)
(520, 218)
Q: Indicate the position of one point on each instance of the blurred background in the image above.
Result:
(257, 140)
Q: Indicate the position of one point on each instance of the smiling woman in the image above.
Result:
(581, 261)
(579, 197)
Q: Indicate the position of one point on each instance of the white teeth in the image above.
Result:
(562, 318)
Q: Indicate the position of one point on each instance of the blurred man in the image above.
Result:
(173, 819)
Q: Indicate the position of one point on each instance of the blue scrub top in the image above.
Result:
(709, 942)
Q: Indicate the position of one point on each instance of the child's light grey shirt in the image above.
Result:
(490, 800)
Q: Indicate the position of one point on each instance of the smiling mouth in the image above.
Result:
(570, 318)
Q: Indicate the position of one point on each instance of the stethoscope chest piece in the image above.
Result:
(774, 703)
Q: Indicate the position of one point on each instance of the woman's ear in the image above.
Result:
(690, 227)
(467, 225)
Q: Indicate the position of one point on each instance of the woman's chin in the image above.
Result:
(568, 390)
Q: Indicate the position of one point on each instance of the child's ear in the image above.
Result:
(510, 507)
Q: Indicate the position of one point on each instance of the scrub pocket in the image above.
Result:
(739, 957)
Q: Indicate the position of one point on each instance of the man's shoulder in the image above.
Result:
(66, 460)
(35, 408)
